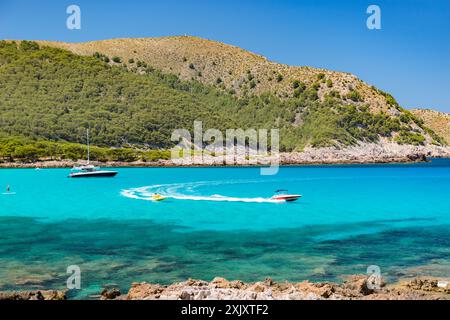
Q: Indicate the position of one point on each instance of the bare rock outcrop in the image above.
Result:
(110, 294)
(33, 295)
(355, 287)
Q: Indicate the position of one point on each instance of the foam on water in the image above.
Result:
(179, 191)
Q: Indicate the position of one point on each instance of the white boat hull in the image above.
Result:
(93, 174)
(287, 197)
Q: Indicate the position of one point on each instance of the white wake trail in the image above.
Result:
(171, 191)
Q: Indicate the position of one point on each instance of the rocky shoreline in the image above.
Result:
(356, 287)
(363, 153)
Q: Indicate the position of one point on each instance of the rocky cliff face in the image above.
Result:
(383, 152)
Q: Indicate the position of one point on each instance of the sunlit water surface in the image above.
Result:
(221, 222)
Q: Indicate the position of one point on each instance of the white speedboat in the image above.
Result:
(88, 170)
(283, 195)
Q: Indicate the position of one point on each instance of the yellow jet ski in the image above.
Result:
(158, 197)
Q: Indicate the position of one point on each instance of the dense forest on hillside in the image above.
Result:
(48, 97)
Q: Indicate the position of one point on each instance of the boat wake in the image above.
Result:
(173, 191)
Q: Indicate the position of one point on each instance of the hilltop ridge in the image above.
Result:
(229, 67)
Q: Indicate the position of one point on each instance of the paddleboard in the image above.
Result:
(8, 193)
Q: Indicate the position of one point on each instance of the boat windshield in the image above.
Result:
(88, 168)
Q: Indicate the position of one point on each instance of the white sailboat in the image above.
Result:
(88, 170)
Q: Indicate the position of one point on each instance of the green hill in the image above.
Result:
(229, 68)
(51, 95)
(439, 122)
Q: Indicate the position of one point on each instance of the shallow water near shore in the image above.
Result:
(221, 222)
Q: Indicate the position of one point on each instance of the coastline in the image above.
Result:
(363, 153)
(354, 287)
(64, 164)
(60, 164)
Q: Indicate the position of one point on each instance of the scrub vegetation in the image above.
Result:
(49, 96)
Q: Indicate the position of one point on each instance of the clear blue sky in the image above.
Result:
(409, 57)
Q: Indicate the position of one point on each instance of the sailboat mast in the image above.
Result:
(88, 151)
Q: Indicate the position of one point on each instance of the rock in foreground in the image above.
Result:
(356, 287)
(34, 295)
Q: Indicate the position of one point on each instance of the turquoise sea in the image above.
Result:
(220, 222)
